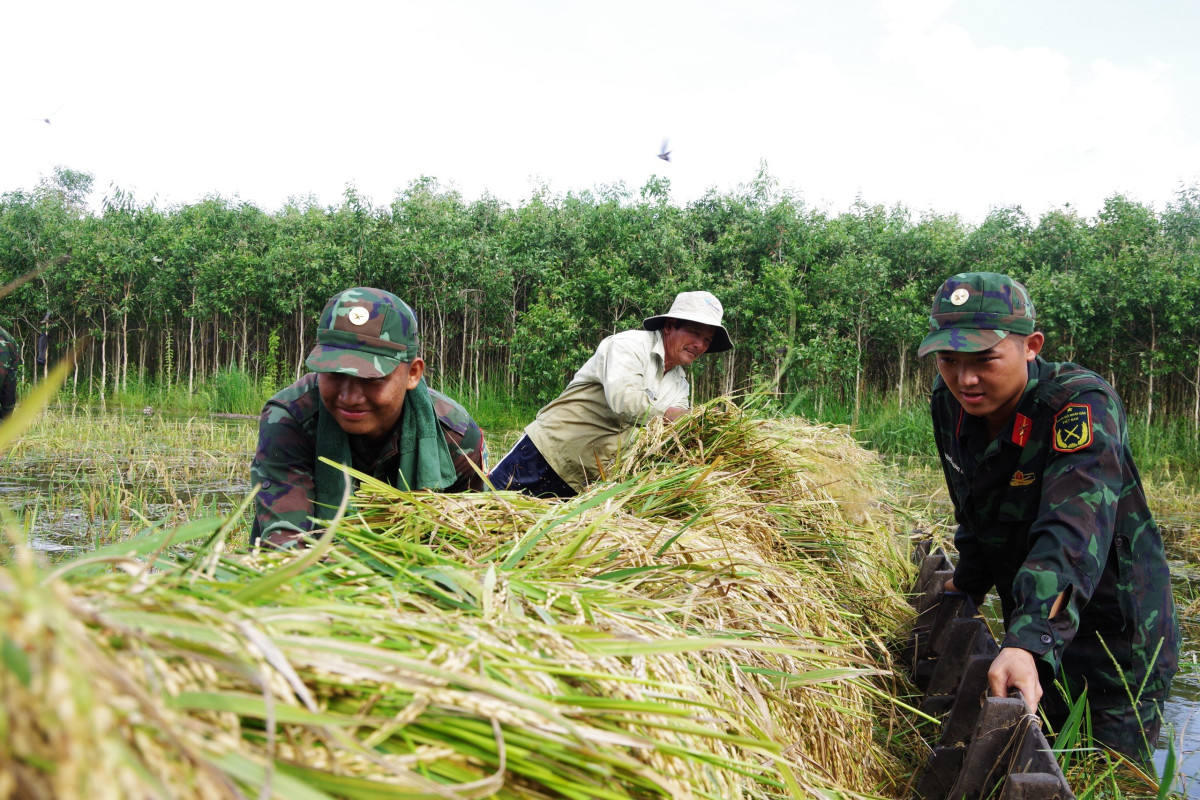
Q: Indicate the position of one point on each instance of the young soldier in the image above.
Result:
(365, 404)
(1051, 512)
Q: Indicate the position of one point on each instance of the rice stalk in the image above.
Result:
(708, 624)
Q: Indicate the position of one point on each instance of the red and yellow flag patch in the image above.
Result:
(1073, 428)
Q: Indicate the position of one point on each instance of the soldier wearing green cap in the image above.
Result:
(10, 359)
(365, 404)
(1051, 512)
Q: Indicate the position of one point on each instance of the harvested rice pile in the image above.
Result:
(707, 623)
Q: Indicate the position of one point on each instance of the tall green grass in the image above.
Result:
(495, 407)
(230, 391)
(1166, 450)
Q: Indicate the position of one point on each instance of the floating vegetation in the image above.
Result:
(707, 623)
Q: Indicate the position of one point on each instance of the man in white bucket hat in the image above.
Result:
(633, 375)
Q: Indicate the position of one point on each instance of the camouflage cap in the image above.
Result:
(364, 332)
(974, 311)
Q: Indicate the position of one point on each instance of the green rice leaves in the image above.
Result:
(707, 625)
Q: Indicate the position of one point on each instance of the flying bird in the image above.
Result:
(46, 119)
(665, 154)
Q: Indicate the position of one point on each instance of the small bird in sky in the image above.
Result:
(665, 154)
(46, 119)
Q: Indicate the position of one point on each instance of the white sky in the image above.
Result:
(942, 105)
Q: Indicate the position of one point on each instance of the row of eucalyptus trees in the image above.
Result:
(818, 303)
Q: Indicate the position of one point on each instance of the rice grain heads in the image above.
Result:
(708, 622)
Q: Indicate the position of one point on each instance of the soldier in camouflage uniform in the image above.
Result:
(1051, 512)
(364, 404)
(10, 359)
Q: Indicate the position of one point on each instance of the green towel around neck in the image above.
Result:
(424, 462)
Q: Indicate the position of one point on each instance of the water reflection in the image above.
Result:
(1181, 722)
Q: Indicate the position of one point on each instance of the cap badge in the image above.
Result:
(959, 296)
(358, 315)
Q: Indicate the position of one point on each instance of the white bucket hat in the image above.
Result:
(699, 307)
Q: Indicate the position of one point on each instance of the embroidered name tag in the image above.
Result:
(1073, 428)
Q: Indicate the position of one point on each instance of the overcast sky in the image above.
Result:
(942, 105)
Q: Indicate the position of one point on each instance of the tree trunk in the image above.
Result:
(478, 349)
(143, 352)
(91, 365)
(1150, 391)
(75, 370)
(441, 343)
(858, 374)
(124, 350)
(462, 360)
(103, 353)
(510, 373)
(300, 342)
(900, 385)
(192, 347)
(1196, 407)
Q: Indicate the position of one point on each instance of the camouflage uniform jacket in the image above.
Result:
(10, 358)
(285, 462)
(1055, 505)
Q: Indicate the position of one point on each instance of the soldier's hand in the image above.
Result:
(1014, 668)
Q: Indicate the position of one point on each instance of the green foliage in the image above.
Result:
(273, 368)
(546, 342)
(495, 408)
(233, 391)
(824, 306)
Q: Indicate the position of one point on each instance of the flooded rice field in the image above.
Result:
(78, 480)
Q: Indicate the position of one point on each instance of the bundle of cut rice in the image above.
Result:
(706, 624)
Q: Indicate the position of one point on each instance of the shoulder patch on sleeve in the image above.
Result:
(1073, 428)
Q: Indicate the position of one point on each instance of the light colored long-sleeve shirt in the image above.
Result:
(622, 385)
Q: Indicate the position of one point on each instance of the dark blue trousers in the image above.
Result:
(525, 469)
